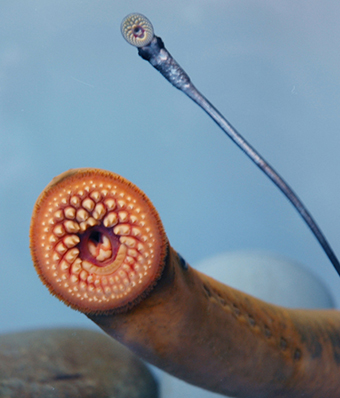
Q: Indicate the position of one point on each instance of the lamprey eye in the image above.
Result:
(137, 30)
(97, 242)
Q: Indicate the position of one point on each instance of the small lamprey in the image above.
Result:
(152, 49)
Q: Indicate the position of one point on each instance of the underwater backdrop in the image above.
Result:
(74, 94)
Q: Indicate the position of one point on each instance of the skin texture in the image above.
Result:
(179, 319)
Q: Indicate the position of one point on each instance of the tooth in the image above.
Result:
(83, 275)
(76, 267)
(74, 278)
(95, 195)
(123, 216)
(75, 201)
(133, 219)
(92, 222)
(136, 232)
(141, 260)
(92, 248)
(106, 243)
(52, 239)
(140, 248)
(122, 229)
(55, 257)
(60, 248)
(59, 230)
(110, 220)
(104, 255)
(64, 265)
(132, 252)
(110, 204)
(132, 275)
(70, 213)
(121, 204)
(59, 215)
(122, 273)
(88, 204)
(71, 227)
(99, 211)
(129, 260)
(128, 241)
(71, 240)
(71, 255)
(82, 215)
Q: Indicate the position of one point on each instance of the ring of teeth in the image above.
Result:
(121, 249)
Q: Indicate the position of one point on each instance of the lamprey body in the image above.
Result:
(98, 244)
(137, 30)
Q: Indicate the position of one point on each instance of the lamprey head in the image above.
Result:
(97, 241)
(137, 30)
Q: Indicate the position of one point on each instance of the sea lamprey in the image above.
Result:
(97, 241)
(98, 244)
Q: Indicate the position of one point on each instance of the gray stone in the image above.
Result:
(70, 363)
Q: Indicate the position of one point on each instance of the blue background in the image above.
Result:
(73, 93)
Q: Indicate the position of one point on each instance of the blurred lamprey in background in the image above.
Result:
(138, 31)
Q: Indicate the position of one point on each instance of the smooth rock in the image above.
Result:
(71, 363)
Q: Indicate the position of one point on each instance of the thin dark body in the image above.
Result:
(154, 51)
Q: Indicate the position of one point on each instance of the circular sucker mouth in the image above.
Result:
(97, 241)
(137, 30)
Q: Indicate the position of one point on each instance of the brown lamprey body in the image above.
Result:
(184, 322)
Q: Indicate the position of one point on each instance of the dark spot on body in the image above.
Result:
(236, 310)
(207, 290)
(297, 354)
(334, 338)
(267, 332)
(221, 299)
(311, 336)
(183, 263)
(67, 376)
(283, 344)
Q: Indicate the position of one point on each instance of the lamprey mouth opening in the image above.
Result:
(137, 30)
(97, 241)
(100, 249)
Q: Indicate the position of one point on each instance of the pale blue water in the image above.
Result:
(75, 94)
